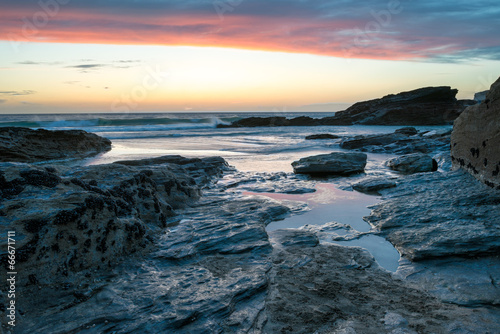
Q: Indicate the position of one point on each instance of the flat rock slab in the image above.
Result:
(334, 163)
(373, 184)
(412, 163)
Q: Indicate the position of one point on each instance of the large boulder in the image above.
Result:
(27, 145)
(424, 106)
(333, 163)
(475, 141)
(412, 163)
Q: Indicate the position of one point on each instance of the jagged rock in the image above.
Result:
(424, 106)
(412, 163)
(322, 136)
(27, 145)
(333, 163)
(373, 185)
(73, 220)
(475, 140)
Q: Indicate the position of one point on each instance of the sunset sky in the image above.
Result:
(238, 55)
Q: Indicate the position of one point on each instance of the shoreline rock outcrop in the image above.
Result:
(423, 106)
(27, 145)
(69, 221)
(475, 140)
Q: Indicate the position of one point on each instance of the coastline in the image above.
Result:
(180, 244)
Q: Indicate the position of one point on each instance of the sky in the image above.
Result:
(61, 56)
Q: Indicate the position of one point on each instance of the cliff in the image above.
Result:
(475, 140)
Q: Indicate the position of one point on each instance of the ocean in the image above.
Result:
(249, 150)
(145, 135)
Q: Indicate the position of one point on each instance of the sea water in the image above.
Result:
(259, 149)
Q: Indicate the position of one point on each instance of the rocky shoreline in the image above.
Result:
(173, 244)
(424, 106)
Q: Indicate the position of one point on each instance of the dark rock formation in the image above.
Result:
(27, 145)
(413, 163)
(322, 136)
(373, 185)
(334, 163)
(475, 141)
(424, 106)
(71, 221)
(409, 131)
(272, 121)
(403, 141)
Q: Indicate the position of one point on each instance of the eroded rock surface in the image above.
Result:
(73, 220)
(475, 141)
(447, 224)
(27, 145)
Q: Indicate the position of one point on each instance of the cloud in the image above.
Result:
(29, 62)
(2, 101)
(376, 29)
(17, 92)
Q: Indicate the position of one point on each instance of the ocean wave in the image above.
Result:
(124, 124)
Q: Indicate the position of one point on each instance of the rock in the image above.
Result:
(70, 221)
(334, 163)
(408, 131)
(413, 163)
(363, 141)
(403, 141)
(481, 96)
(475, 140)
(333, 289)
(322, 136)
(424, 106)
(294, 238)
(271, 121)
(446, 225)
(373, 185)
(27, 145)
(460, 217)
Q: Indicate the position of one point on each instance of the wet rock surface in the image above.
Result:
(475, 141)
(334, 163)
(373, 185)
(402, 141)
(27, 145)
(447, 225)
(214, 269)
(413, 163)
(74, 220)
